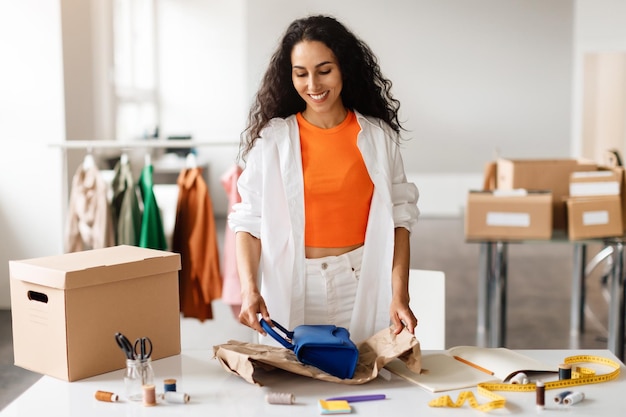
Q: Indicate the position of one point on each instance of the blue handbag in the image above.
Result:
(326, 347)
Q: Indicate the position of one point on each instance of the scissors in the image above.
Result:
(124, 344)
(142, 348)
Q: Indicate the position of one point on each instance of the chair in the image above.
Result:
(428, 302)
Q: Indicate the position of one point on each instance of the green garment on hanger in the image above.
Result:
(152, 233)
(125, 208)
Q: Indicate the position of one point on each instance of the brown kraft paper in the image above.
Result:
(243, 359)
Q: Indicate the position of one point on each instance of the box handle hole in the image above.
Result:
(38, 296)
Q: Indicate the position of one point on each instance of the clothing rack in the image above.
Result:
(115, 144)
(90, 145)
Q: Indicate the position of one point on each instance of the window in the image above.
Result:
(135, 69)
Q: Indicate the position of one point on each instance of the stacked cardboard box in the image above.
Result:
(594, 205)
(544, 183)
(542, 174)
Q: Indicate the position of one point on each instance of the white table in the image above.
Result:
(214, 392)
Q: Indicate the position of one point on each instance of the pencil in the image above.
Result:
(473, 365)
(357, 398)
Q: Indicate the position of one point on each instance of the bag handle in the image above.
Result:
(280, 339)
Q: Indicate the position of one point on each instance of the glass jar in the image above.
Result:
(138, 373)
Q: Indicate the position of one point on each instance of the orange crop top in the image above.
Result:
(337, 187)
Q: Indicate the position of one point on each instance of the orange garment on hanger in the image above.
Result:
(195, 239)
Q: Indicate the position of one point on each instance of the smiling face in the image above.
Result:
(317, 79)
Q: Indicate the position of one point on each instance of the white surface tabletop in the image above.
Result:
(215, 392)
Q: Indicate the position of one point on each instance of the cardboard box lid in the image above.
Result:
(519, 195)
(593, 199)
(94, 267)
(539, 173)
(592, 176)
(548, 161)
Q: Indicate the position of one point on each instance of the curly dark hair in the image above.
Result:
(364, 87)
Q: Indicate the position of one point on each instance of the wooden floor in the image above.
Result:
(538, 298)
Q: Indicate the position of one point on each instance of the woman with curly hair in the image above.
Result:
(323, 227)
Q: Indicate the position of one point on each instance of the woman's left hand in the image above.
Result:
(402, 316)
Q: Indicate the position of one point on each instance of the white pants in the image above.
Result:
(331, 284)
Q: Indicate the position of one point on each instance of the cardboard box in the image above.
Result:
(595, 183)
(519, 215)
(606, 181)
(66, 309)
(594, 217)
(621, 172)
(542, 174)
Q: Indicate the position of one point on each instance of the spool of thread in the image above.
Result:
(519, 378)
(280, 398)
(573, 398)
(565, 371)
(558, 399)
(541, 395)
(176, 397)
(149, 395)
(169, 385)
(105, 396)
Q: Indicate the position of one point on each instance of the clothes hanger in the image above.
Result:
(190, 161)
(124, 159)
(88, 162)
(147, 160)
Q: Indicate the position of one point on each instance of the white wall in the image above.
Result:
(600, 26)
(31, 117)
(474, 77)
(202, 63)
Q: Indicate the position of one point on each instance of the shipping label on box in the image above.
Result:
(66, 309)
(542, 174)
(594, 217)
(516, 215)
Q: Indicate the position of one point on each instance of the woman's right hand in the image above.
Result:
(253, 304)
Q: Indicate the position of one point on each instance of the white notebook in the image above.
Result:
(466, 366)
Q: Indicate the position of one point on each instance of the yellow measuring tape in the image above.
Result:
(580, 376)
